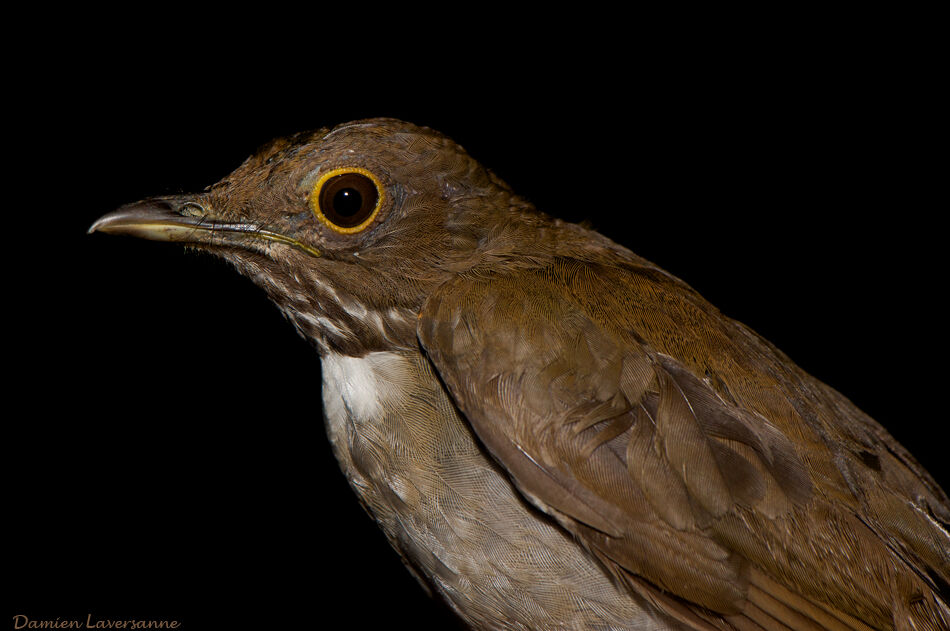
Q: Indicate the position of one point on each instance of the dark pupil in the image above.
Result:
(347, 202)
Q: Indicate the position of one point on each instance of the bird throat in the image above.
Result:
(330, 318)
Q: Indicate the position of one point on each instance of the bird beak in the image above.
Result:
(184, 220)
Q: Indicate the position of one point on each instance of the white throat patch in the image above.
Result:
(361, 385)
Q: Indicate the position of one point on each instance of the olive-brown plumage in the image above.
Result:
(553, 432)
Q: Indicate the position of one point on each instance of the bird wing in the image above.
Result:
(689, 456)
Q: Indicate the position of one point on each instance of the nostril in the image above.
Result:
(192, 209)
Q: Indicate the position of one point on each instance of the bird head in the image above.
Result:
(349, 229)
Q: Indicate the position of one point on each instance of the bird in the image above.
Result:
(553, 432)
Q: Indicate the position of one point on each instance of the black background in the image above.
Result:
(164, 455)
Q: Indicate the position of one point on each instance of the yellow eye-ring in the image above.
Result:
(347, 199)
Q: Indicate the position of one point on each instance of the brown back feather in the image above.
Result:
(672, 442)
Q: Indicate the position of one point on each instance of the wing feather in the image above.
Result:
(668, 439)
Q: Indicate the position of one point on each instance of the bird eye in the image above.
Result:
(347, 200)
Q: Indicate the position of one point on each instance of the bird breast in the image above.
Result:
(451, 512)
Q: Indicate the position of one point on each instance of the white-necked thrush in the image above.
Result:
(552, 431)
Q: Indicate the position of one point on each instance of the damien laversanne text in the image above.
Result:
(21, 621)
